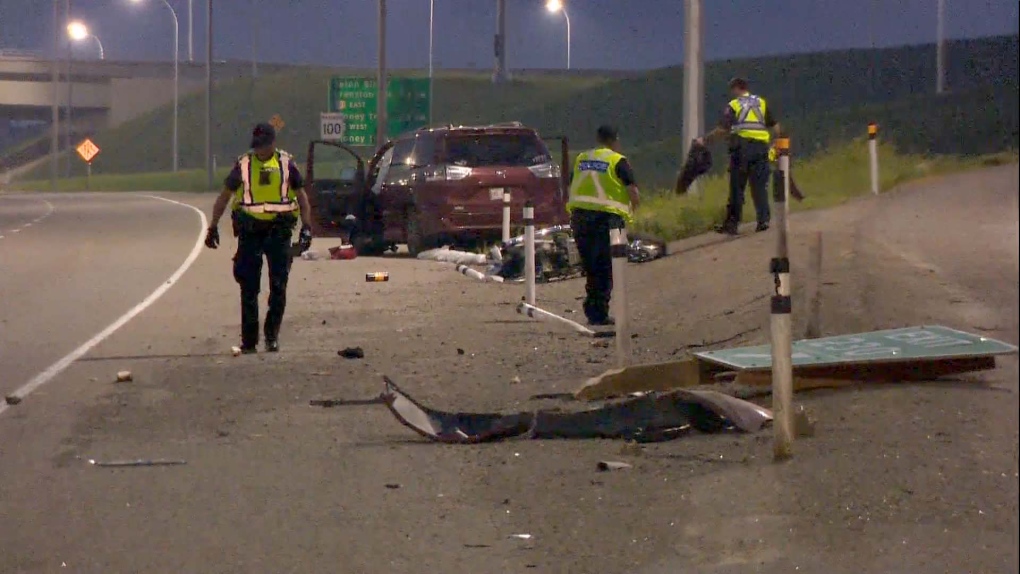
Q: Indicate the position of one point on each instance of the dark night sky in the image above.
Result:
(605, 33)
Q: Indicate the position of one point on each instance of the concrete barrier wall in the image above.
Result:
(40, 94)
(130, 98)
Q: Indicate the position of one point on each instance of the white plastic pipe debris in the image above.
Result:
(618, 250)
(446, 255)
(476, 274)
(536, 313)
(873, 156)
(529, 253)
(506, 215)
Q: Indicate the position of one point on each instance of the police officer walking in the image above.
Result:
(603, 195)
(747, 119)
(268, 197)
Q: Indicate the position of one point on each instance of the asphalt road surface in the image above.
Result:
(908, 478)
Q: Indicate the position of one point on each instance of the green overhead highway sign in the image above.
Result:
(927, 342)
(407, 106)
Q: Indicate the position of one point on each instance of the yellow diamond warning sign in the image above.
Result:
(87, 150)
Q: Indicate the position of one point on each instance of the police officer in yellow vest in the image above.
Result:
(603, 195)
(747, 119)
(268, 197)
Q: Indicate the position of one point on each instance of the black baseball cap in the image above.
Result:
(606, 134)
(263, 135)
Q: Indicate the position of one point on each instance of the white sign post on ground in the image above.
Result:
(873, 156)
(618, 250)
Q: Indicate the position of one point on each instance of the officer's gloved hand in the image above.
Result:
(305, 238)
(212, 237)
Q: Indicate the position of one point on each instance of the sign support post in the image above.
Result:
(873, 156)
(780, 325)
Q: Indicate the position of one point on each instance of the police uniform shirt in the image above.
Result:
(233, 182)
(729, 118)
(623, 171)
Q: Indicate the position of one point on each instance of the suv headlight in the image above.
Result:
(546, 170)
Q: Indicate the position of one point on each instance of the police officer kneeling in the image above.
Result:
(603, 195)
(268, 196)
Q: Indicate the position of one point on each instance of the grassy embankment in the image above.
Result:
(819, 97)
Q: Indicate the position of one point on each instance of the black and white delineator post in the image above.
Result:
(873, 156)
(781, 324)
(506, 216)
(618, 250)
(529, 253)
(527, 306)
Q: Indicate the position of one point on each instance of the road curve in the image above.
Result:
(72, 264)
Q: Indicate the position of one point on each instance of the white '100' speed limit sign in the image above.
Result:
(332, 126)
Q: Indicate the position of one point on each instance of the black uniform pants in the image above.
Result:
(591, 233)
(255, 240)
(749, 164)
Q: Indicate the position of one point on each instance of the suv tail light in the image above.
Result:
(447, 173)
(546, 170)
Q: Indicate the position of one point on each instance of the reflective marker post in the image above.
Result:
(506, 216)
(873, 155)
(529, 253)
(618, 250)
(780, 325)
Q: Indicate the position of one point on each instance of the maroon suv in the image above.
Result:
(440, 186)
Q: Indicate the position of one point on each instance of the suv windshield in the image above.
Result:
(510, 150)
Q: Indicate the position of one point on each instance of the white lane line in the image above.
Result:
(49, 212)
(62, 364)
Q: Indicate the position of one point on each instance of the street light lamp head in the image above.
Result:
(554, 6)
(77, 31)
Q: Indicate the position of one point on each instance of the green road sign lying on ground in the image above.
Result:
(927, 342)
(407, 106)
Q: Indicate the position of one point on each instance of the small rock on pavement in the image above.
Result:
(124, 376)
(605, 465)
(352, 353)
(515, 381)
(235, 351)
(803, 425)
(12, 399)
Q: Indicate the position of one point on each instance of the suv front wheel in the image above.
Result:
(416, 239)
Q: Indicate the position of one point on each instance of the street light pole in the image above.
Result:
(432, 16)
(102, 55)
(191, 31)
(380, 104)
(70, 93)
(694, 84)
(554, 6)
(940, 47)
(208, 93)
(55, 107)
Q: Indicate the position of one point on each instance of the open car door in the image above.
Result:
(565, 166)
(335, 184)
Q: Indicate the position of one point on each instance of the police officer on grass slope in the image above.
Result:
(268, 197)
(747, 119)
(603, 195)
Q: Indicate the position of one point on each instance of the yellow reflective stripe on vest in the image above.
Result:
(603, 163)
(750, 118)
(248, 203)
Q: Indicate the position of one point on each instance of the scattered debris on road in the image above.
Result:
(392, 485)
(606, 465)
(649, 418)
(124, 376)
(12, 399)
(329, 403)
(447, 255)
(343, 252)
(376, 277)
(352, 353)
(235, 351)
(520, 536)
(136, 462)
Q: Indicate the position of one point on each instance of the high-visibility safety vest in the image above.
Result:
(596, 186)
(265, 201)
(750, 113)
